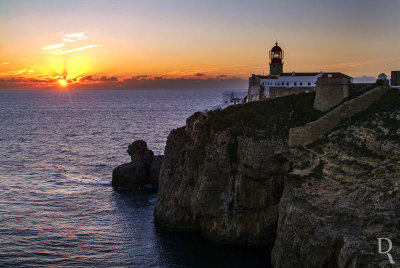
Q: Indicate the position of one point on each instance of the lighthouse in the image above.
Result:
(276, 63)
(279, 84)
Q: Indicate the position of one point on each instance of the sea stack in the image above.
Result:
(143, 169)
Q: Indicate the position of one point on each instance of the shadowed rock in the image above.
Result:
(143, 169)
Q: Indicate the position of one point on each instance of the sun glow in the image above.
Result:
(62, 82)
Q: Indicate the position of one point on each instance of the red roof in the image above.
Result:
(299, 74)
(267, 77)
(324, 75)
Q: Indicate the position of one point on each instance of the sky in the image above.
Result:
(188, 43)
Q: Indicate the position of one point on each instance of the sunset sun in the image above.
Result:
(62, 82)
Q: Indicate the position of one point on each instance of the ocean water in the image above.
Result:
(57, 206)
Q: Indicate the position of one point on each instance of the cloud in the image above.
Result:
(76, 49)
(73, 37)
(221, 76)
(135, 82)
(104, 78)
(87, 78)
(108, 79)
(199, 74)
(17, 72)
(69, 38)
(55, 46)
(138, 77)
(7, 62)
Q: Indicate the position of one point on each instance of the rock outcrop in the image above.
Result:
(344, 194)
(143, 169)
(232, 176)
(223, 173)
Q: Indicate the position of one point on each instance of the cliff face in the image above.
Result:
(223, 172)
(346, 195)
(231, 175)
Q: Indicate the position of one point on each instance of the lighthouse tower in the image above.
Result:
(276, 63)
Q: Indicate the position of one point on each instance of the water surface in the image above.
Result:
(57, 207)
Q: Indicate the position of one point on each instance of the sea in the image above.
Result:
(57, 206)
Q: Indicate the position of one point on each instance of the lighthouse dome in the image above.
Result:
(276, 48)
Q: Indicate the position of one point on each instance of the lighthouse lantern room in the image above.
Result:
(276, 63)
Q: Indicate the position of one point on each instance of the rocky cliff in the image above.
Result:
(344, 193)
(223, 172)
(231, 175)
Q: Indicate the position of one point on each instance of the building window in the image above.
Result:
(301, 84)
(287, 83)
(309, 83)
(295, 83)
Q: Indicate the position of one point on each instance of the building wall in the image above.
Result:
(395, 79)
(291, 81)
(285, 91)
(330, 92)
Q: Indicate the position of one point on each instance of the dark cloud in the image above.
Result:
(221, 76)
(135, 82)
(87, 78)
(108, 79)
(199, 74)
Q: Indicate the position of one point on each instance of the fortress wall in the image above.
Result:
(253, 93)
(316, 129)
(254, 88)
(330, 92)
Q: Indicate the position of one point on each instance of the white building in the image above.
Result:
(278, 83)
(286, 80)
(231, 97)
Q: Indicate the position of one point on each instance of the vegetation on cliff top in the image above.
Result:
(274, 116)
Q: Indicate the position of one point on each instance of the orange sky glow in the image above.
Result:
(211, 44)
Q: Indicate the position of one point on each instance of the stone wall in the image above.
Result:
(330, 91)
(316, 129)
